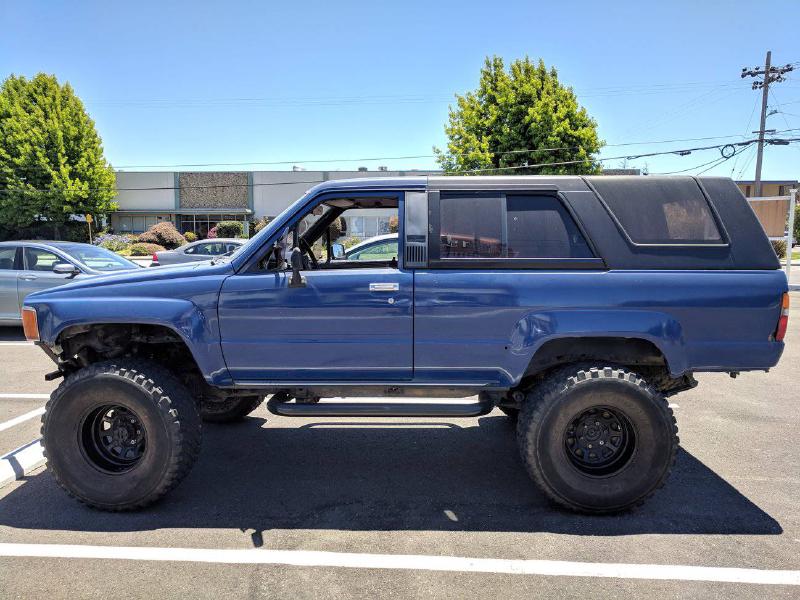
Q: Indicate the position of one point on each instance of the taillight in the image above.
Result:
(30, 324)
(783, 320)
(155, 257)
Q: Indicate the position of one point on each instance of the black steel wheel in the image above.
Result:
(113, 438)
(597, 439)
(600, 441)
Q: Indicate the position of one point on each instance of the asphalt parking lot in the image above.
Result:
(338, 495)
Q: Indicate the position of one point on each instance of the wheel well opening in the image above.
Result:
(642, 356)
(83, 345)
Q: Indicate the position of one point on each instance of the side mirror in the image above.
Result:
(296, 260)
(65, 269)
(337, 250)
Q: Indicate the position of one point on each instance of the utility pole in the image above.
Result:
(771, 75)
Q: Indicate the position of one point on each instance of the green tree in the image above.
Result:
(523, 116)
(51, 158)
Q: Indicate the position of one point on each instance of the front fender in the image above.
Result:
(537, 328)
(182, 316)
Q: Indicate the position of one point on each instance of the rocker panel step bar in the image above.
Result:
(380, 409)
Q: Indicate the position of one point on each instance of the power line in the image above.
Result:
(677, 152)
(622, 89)
(417, 156)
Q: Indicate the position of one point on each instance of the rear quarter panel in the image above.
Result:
(487, 325)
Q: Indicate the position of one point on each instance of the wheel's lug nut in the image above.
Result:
(597, 422)
(590, 445)
(602, 442)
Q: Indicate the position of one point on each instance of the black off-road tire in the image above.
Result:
(166, 417)
(511, 412)
(564, 407)
(229, 410)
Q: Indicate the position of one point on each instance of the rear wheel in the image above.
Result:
(510, 412)
(118, 435)
(231, 409)
(597, 439)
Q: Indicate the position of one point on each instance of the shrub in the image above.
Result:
(164, 234)
(113, 242)
(145, 249)
(212, 233)
(337, 228)
(261, 223)
(190, 236)
(351, 241)
(230, 229)
(780, 247)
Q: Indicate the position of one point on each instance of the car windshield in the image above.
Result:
(99, 259)
(228, 255)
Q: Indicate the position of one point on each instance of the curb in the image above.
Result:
(794, 287)
(18, 463)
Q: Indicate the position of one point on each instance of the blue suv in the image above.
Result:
(575, 305)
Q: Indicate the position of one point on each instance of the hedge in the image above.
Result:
(145, 249)
(230, 229)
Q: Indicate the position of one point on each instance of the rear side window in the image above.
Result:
(508, 226)
(7, 255)
(661, 211)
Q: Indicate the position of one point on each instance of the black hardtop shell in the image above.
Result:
(744, 245)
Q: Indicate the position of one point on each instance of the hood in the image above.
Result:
(180, 271)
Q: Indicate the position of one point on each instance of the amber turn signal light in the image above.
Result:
(30, 324)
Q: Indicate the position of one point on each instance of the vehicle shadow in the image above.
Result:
(384, 476)
(11, 334)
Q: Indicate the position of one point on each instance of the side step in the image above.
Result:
(379, 409)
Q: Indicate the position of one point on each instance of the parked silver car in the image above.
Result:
(27, 267)
(197, 251)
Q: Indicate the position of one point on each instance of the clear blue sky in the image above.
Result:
(198, 82)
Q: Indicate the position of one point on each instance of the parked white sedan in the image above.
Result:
(197, 251)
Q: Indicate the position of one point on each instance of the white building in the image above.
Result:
(196, 201)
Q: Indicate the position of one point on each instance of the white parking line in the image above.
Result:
(18, 463)
(22, 418)
(26, 396)
(16, 343)
(308, 558)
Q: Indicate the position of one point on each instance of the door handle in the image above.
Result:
(384, 287)
(28, 277)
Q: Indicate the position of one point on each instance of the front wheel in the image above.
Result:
(597, 439)
(118, 435)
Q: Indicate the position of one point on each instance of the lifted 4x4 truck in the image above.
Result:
(576, 305)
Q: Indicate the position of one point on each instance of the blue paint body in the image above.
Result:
(447, 327)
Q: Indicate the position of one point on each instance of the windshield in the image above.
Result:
(99, 259)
